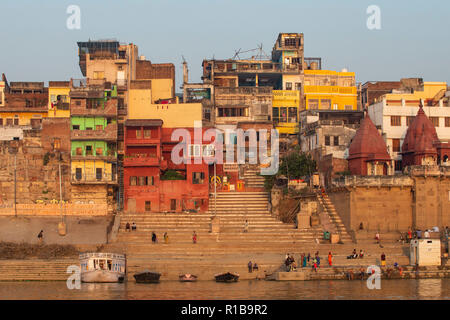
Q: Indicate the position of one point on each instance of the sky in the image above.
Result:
(36, 45)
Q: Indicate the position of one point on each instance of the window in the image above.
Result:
(9, 122)
(396, 145)
(409, 120)
(99, 127)
(208, 150)
(88, 128)
(138, 133)
(147, 133)
(335, 106)
(150, 181)
(198, 177)
(78, 102)
(327, 140)
(57, 143)
(396, 121)
(142, 181)
(194, 150)
(98, 173)
(288, 85)
(447, 122)
(435, 121)
(99, 75)
(348, 107)
(313, 104)
(133, 181)
(89, 150)
(16, 121)
(325, 104)
(1, 121)
(79, 151)
(78, 173)
(75, 127)
(276, 114)
(398, 165)
(98, 151)
(292, 114)
(148, 206)
(336, 140)
(298, 86)
(283, 114)
(290, 42)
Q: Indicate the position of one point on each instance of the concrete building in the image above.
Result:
(93, 133)
(59, 99)
(392, 113)
(329, 90)
(23, 103)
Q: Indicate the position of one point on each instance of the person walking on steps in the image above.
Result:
(194, 237)
(41, 237)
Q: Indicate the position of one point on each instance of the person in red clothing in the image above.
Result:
(194, 237)
(330, 258)
(409, 235)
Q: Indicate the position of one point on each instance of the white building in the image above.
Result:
(393, 113)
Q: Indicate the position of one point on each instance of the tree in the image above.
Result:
(294, 165)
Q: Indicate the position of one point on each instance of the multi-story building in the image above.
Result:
(93, 116)
(23, 103)
(152, 180)
(59, 100)
(329, 90)
(393, 113)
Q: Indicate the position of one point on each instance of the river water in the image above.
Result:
(242, 290)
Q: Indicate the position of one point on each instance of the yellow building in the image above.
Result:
(432, 92)
(329, 90)
(174, 115)
(285, 107)
(58, 99)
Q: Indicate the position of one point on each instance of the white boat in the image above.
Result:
(102, 267)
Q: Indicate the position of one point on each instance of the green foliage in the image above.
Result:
(294, 165)
(172, 175)
(46, 158)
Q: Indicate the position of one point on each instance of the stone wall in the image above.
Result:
(420, 199)
(80, 230)
(37, 177)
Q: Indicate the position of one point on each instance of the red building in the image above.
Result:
(152, 181)
(422, 145)
(368, 152)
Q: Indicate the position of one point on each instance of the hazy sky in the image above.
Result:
(414, 40)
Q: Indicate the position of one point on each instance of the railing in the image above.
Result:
(330, 89)
(109, 133)
(244, 90)
(94, 178)
(140, 161)
(71, 209)
(109, 109)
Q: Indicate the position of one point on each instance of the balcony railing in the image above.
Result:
(108, 109)
(330, 89)
(141, 161)
(244, 90)
(107, 134)
(94, 178)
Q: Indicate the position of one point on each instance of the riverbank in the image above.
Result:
(56, 270)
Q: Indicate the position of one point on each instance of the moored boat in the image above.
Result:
(102, 267)
(147, 277)
(227, 277)
(187, 277)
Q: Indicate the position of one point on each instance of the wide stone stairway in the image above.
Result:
(266, 242)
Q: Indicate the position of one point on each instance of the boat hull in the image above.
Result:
(188, 278)
(227, 277)
(147, 277)
(102, 276)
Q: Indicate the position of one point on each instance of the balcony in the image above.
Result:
(330, 90)
(109, 109)
(131, 161)
(105, 178)
(243, 90)
(107, 134)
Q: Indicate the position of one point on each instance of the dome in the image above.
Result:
(368, 143)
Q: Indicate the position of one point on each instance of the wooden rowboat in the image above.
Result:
(227, 277)
(187, 277)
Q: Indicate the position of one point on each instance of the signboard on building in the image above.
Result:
(231, 167)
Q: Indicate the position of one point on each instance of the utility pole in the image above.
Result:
(215, 189)
(15, 183)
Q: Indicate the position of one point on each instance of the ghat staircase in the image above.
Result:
(266, 242)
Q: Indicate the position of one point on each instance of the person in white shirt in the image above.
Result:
(426, 234)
